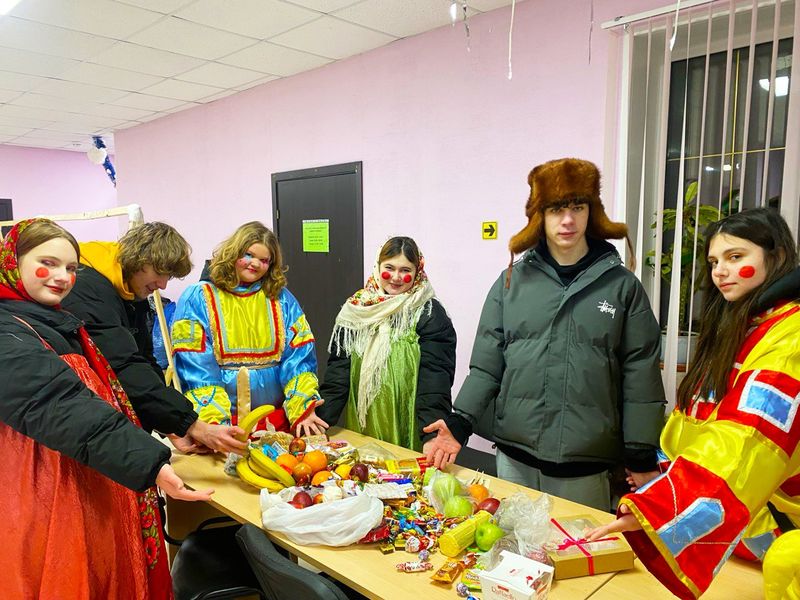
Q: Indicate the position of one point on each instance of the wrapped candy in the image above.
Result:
(412, 545)
(462, 590)
(424, 555)
(448, 572)
(414, 566)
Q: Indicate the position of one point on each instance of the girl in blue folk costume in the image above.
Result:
(733, 441)
(245, 317)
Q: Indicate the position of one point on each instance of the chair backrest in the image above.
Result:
(280, 578)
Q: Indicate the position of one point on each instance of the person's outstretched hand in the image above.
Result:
(173, 486)
(443, 449)
(188, 445)
(637, 480)
(627, 522)
(219, 438)
(312, 424)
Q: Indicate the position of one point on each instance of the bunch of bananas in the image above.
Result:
(257, 468)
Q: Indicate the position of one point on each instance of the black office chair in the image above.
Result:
(280, 578)
(210, 566)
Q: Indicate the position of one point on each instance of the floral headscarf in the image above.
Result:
(370, 321)
(10, 278)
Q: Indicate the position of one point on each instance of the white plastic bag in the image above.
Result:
(338, 523)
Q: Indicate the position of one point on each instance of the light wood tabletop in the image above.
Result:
(361, 567)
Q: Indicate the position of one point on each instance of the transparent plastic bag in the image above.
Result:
(528, 524)
(441, 487)
(375, 455)
(339, 523)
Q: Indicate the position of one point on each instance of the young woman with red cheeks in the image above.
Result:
(393, 352)
(78, 483)
(733, 441)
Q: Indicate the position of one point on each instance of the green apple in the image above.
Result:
(458, 506)
(486, 535)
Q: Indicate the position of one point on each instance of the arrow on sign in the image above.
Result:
(489, 230)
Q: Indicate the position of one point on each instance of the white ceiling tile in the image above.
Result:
(181, 90)
(100, 17)
(257, 82)
(9, 95)
(487, 5)
(110, 77)
(86, 124)
(56, 103)
(55, 135)
(147, 102)
(176, 35)
(162, 6)
(333, 38)
(37, 37)
(16, 121)
(255, 18)
(32, 63)
(401, 18)
(274, 59)
(146, 60)
(325, 6)
(30, 142)
(187, 106)
(155, 116)
(78, 91)
(19, 82)
(7, 130)
(120, 113)
(218, 96)
(6, 138)
(127, 125)
(218, 75)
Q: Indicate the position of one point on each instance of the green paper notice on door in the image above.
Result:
(316, 236)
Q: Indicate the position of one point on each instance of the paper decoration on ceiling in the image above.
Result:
(98, 155)
(454, 17)
(510, 33)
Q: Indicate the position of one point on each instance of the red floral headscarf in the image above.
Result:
(10, 279)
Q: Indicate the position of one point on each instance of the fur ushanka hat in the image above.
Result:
(557, 181)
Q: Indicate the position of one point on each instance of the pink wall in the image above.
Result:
(47, 182)
(446, 139)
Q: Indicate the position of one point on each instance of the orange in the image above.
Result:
(301, 473)
(316, 459)
(343, 471)
(478, 491)
(321, 476)
(287, 461)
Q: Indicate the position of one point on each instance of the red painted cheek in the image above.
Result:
(385, 275)
(42, 273)
(242, 262)
(72, 278)
(406, 278)
(747, 272)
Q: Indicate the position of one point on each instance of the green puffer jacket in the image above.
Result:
(573, 372)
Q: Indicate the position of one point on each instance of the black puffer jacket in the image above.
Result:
(122, 329)
(437, 366)
(45, 400)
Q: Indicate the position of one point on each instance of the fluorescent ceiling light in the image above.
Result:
(7, 5)
(781, 85)
(726, 167)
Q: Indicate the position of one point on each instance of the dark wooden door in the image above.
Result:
(6, 213)
(321, 199)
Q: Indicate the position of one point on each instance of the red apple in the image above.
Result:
(303, 498)
(490, 505)
(295, 504)
(297, 445)
(359, 472)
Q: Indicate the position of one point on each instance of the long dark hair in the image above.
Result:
(724, 324)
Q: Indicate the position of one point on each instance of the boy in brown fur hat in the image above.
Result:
(566, 353)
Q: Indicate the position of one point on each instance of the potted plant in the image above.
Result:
(694, 220)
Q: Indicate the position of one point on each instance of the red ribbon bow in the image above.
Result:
(570, 541)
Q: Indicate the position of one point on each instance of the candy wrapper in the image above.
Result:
(415, 566)
(573, 556)
(448, 572)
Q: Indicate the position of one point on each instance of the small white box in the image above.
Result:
(516, 578)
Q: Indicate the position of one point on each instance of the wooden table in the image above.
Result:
(362, 568)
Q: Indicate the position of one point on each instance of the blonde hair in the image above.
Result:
(156, 244)
(222, 269)
(41, 231)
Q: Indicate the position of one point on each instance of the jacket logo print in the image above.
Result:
(605, 307)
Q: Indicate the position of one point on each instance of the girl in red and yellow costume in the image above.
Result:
(78, 482)
(245, 317)
(732, 483)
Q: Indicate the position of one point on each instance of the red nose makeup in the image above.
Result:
(385, 275)
(747, 272)
(42, 273)
(406, 278)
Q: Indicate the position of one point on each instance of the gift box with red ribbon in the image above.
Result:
(573, 556)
